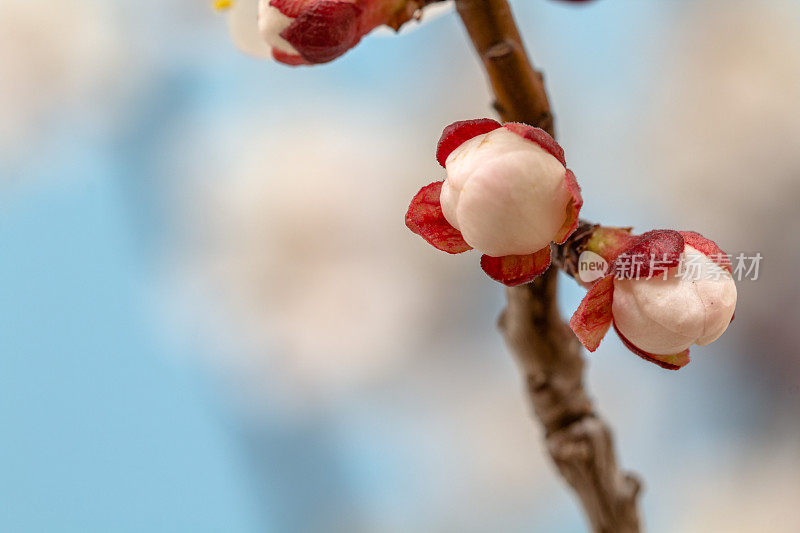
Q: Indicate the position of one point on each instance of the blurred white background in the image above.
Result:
(215, 319)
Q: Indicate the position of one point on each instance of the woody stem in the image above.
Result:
(548, 353)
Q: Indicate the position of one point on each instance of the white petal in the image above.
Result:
(448, 199)
(717, 291)
(271, 22)
(511, 196)
(243, 25)
(656, 335)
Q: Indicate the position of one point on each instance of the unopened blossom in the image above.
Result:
(508, 194)
(664, 292)
(303, 32)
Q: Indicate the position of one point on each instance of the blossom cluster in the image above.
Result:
(509, 194)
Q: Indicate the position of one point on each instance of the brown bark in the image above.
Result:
(548, 353)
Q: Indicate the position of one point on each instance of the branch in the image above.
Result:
(547, 351)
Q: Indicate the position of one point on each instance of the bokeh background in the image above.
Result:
(213, 318)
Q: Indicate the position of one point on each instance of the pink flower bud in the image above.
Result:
(681, 293)
(505, 194)
(304, 32)
(508, 194)
(310, 31)
(317, 31)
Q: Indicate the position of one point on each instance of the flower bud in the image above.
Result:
(683, 294)
(311, 31)
(666, 315)
(304, 32)
(505, 194)
(508, 194)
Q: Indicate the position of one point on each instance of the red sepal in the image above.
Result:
(708, 247)
(515, 270)
(288, 59)
(661, 248)
(460, 132)
(325, 31)
(591, 320)
(540, 137)
(425, 218)
(670, 362)
(290, 8)
(573, 209)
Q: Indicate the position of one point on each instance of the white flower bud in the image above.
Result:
(506, 194)
(693, 305)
